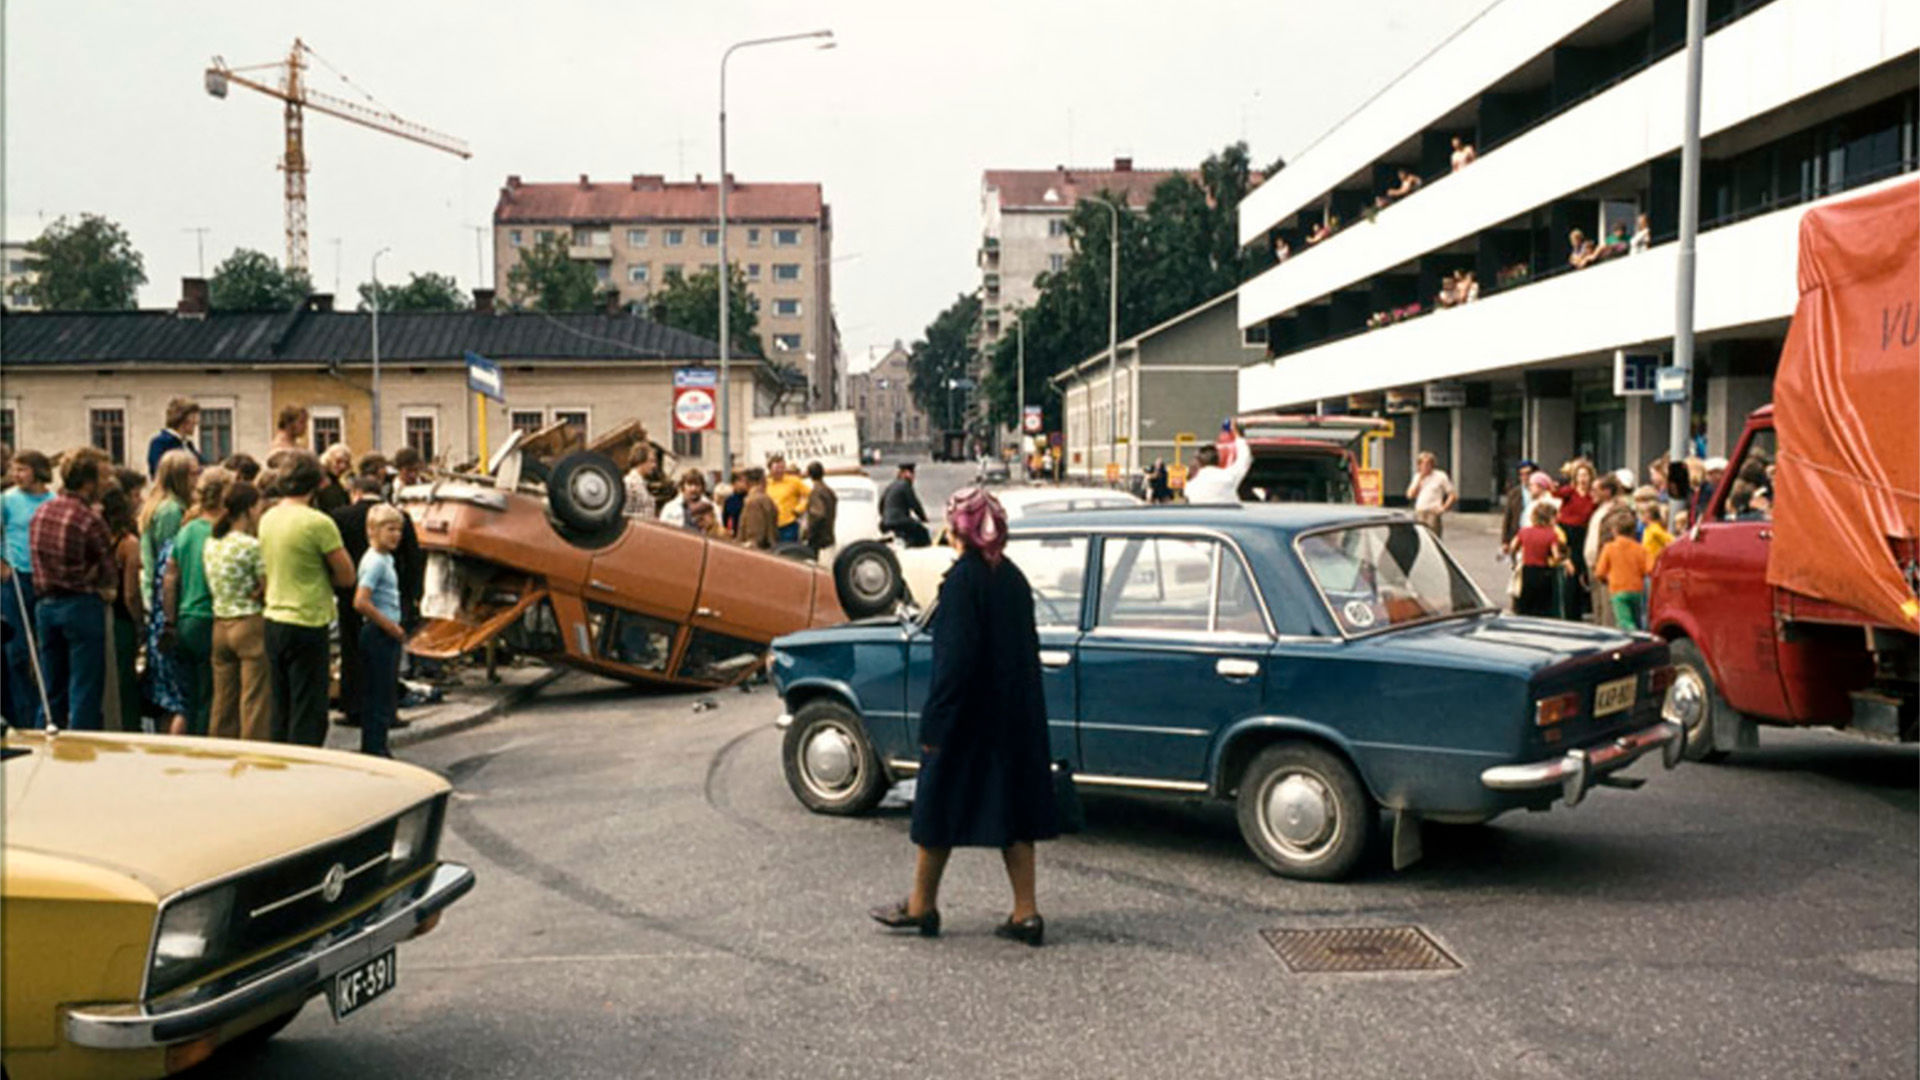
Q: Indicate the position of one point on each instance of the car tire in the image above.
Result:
(1694, 700)
(867, 578)
(830, 762)
(1305, 813)
(586, 494)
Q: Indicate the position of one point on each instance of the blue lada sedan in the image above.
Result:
(1314, 664)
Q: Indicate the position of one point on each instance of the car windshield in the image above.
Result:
(1375, 577)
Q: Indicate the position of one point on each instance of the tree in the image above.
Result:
(88, 265)
(944, 355)
(693, 304)
(547, 279)
(250, 280)
(422, 292)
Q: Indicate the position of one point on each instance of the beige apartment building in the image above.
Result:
(883, 405)
(16, 276)
(640, 232)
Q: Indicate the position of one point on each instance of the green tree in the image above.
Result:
(422, 292)
(546, 279)
(88, 265)
(693, 304)
(250, 280)
(943, 355)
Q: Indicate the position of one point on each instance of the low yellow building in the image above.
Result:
(104, 378)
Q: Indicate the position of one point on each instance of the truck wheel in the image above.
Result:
(1305, 813)
(1695, 702)
(585, 492)
(868, 579)
(829, 761)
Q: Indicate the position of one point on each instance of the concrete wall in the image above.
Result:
(50, 408)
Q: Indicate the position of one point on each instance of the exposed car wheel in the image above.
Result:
(585, 492)
(792, 550)
(830, 762)
(1695, 702)
(868, 579)
(1305, 813)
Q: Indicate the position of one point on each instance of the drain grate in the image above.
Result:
(1351, 950)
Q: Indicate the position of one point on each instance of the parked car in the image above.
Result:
(1311, 664)
(1306, 458)
(166, 897)
(922, 568)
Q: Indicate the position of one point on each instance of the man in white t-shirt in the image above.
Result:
(1431, 492)
(1217, 484)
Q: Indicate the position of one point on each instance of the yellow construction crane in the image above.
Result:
(291, 87)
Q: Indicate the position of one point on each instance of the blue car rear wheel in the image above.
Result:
(1305, 813)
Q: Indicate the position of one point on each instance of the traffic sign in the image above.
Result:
(1670, 386)
(483, 377)
(695, 407)
(1177, 476)
(1033, 421)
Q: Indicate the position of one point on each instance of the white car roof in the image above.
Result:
(1017, 500)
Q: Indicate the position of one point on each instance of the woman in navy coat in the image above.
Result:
(984, 778)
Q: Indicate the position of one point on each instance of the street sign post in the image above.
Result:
(1670, 385)
(483, 378)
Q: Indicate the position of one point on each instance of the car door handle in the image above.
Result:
(706, 613)
(1236, 669)
(1055, 658)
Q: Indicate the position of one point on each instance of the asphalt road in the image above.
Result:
(652, 901)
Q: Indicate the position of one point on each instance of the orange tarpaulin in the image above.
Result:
(1846, 403)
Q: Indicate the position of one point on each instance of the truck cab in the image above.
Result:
(1307, 458)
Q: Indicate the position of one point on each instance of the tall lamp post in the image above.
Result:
(726, 269)
(1113, 336)
(374, 300)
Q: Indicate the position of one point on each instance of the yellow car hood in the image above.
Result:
(172, 812)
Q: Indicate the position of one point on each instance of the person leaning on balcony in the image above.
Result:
(1409, 183)
(1642, 234)
(759, 517)
(1580, 250)
(1463, 154)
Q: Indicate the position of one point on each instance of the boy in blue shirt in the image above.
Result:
(376, 596)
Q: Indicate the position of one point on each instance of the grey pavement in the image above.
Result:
(652, 901)
(470, 698)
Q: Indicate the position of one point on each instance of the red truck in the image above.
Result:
(1307, 458)
(1799, 607)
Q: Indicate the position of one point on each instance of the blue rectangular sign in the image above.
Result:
(686, 377)
(483, 377)
(1670, 386)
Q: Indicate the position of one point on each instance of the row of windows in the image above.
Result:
(642, 273)
(326, 425)
(709, 237)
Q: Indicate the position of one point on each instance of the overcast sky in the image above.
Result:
(105, 112)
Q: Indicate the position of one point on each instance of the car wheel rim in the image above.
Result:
(1299, 815)
(869, 577)
(590, 490)
(1686, 702)
(830, 761)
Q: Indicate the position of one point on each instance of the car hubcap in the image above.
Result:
(1686, 700)
(830, 761)
(591, 490)
(870, 577)
(1299, 814)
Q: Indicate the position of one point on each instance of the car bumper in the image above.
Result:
(297, 974)
(1576, 771)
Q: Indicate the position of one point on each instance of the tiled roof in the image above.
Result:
(651, 198)
(315, 337)
(1028, 189)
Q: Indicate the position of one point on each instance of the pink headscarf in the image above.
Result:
(977, 518)
(1540, 482)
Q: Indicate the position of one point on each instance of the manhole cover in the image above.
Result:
(1352, 949)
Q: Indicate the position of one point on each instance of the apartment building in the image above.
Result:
(16, 276)
(883, 405)
(1573, 111)
(639, 233)
(1023, 228)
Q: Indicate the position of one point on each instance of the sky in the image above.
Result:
(105, 112)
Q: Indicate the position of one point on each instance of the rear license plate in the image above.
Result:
(358, 985)
(1615, 696)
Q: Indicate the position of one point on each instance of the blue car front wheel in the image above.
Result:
(830, 762)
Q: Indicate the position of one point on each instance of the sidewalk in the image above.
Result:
(1474, 540)
(470, 701)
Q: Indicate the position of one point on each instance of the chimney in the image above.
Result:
(513, 180)
(320, 301)
(193, 297)
(584, 182)
(483, 301)
(699, 181)
(1123, 164)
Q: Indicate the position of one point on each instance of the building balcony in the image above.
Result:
(590, 252)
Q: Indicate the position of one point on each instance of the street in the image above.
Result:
(654, 902)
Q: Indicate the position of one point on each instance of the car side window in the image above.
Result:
(1237, 608)
(1750, 498)
(1156, 583)
(627, 637)
(1056, 570)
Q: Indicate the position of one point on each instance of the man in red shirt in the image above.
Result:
(73, 569)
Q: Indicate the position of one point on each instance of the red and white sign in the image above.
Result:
(1035, 424)
(695, 404)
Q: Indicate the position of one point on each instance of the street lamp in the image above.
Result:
(726, 269)
(1113, 336)
(374, 299)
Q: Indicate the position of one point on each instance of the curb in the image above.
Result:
(506, 703)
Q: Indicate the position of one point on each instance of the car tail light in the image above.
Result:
(1660, 679)
(1552, 710)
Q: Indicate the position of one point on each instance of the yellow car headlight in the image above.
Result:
(188, 939)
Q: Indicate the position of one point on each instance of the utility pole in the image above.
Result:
(479, 259)
(336, 270)
(1020, 380)
(200, 244)
(374, 302)
(1680, 427)
(1113, 339)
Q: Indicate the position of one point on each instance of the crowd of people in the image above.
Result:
(762, 507)
(200, 598)
(1584, 542)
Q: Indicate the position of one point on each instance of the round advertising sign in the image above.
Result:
(693, 409)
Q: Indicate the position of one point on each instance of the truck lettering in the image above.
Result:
(1908, 329)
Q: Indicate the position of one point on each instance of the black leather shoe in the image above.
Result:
(1031, 931)
(896, 917)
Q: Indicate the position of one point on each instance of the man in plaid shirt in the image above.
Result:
(73, 568)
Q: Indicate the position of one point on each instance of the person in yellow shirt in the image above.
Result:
(789, 494)
(1653, 535)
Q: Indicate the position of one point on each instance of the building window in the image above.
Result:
(527, 420)
(107, 429)
(1056, 262)
(216, 433)
(676, 237)
(1056, 226)
(753, 237)
(541, 236)
(575, 417)
(326, 425)
(753, 271)
(787, 342)
(709, 237)
(786, 238)
(513, 237)
(786, 271)
(686, 444)
(672, 272)
(8, 432)
(1254, 336)
(637, 273)
(592, 237)
(636, 238)
(603, 272)
(422, 427)
(786, 308)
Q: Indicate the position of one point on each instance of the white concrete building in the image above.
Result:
(1574, 110)
(16, 276)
